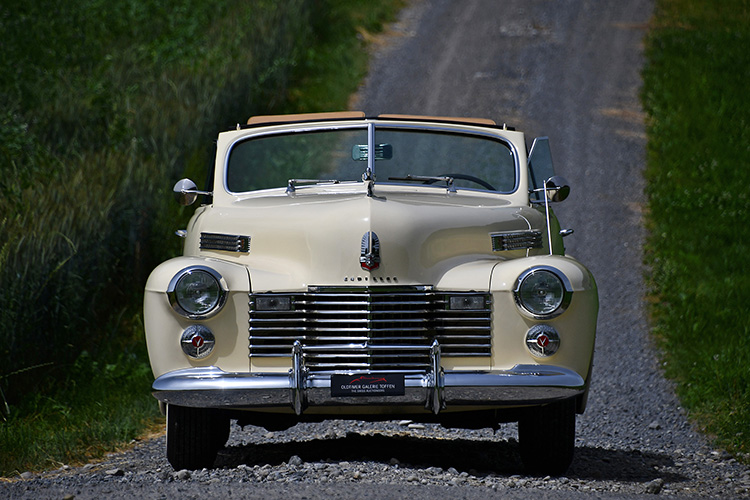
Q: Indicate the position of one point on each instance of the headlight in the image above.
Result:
(197, 292)
(543, 292)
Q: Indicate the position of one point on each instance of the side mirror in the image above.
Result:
(186, 192)
(557, 188)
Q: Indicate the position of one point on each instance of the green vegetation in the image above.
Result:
(695, 93)
(99, 406)
(104, 106)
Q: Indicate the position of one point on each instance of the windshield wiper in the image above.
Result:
(428, 179)
(292, 183)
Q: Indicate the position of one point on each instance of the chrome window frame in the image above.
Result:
(371, 127)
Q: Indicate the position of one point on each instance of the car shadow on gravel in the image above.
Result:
(476, 457)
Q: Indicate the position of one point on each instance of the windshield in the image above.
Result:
(401, 155)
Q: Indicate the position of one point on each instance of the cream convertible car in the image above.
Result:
(373, 269)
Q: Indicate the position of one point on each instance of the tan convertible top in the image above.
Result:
(353, 115)
(257, 120)
(476, 121)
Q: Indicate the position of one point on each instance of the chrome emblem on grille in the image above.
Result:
(369, 258)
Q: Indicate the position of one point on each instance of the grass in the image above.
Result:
(96, 409)
(107, 108)
(698, 175)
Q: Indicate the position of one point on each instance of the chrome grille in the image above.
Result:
(376, 328)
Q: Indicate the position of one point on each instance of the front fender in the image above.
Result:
(164, 326)
(576, 326)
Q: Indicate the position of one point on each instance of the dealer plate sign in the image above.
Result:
(391, 384)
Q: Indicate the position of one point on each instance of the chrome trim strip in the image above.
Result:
(369, 174)
(553, 270)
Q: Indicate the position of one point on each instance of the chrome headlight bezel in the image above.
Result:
(555, 280)
(214, 281)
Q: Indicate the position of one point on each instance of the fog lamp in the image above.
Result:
(542, 340)
(467, 302)
(273, 303)
(197, 341)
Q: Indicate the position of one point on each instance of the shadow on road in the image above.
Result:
(477, 457)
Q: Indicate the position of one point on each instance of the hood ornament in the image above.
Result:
(369, 258)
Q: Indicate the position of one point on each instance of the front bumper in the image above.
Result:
(433, 390)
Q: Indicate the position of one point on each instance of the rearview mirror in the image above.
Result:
(382, 152)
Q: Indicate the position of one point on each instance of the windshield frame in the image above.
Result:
(369, 172)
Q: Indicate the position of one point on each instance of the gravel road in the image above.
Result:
(568, 69)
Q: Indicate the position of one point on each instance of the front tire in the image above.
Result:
(546, 438)
(194, 436)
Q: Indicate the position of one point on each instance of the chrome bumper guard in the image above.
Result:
(434, 390)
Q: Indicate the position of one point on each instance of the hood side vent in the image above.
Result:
(516, 240)
(225, 242)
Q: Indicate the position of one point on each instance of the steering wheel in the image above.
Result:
(467, 177)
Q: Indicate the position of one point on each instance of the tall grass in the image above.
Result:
(698, 173)
(104, 106)
(99, 406)
(108, 108)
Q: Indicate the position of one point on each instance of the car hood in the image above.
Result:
(318, 240)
